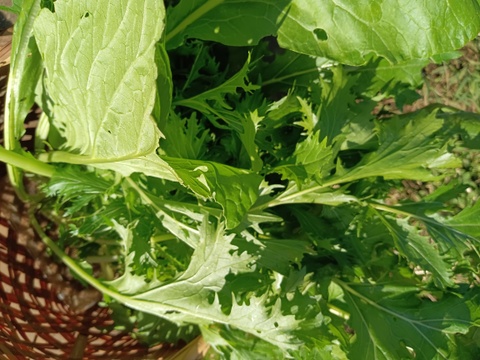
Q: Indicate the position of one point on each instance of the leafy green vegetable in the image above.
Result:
(77, 43)
(344, 31)
(400, 325)
(20, 94)
(224, 168)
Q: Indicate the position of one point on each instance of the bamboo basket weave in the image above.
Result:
(40, 314)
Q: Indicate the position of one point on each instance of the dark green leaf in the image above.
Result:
(419, 250)
(392, 322)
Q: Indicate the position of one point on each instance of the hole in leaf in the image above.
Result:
(320, 34)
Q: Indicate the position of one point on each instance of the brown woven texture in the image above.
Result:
(34, 322)
(44, 313)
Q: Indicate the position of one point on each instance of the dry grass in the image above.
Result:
(455, 83)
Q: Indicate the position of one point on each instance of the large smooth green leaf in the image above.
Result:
(199, 19)
(346, 31)
(398, 30)
(104, 90)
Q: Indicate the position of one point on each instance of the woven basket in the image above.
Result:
(44, 313)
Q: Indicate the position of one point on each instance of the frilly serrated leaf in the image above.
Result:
(186, 299)
(409, 148)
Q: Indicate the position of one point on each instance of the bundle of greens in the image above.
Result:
(219, 167)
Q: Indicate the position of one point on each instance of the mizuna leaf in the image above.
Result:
(163, 99)
(336, 103)
(186, 300)
(217, 94)
(287, 69)
(419, 250)
(312, 160)
(102, 107)
(467, 221)
(392, 322)
(76, 187)
(234, 189)
(409, 148)
(312, 194)
(453, 236)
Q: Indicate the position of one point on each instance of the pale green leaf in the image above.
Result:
(104, 91)
(186, 300)
(149, 164)
(351, 31)
(24, 58)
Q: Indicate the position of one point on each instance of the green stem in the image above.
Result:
(338, 312)
(389, 209)
(194, 16)
(26, 163)
(163, 237)
(287, 199)
(132, 301)
(101, 259)
(146, 199)
(294, 75)
(77, 159)
(72, 264)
